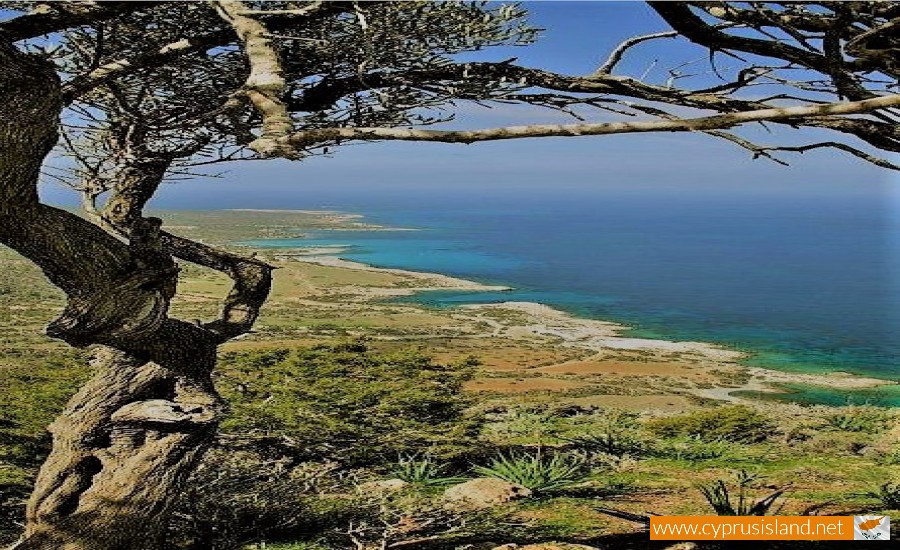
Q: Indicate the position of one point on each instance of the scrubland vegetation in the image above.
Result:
(312, 427)
(342, 436)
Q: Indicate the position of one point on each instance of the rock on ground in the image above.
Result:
(485, 492)
(381, 486)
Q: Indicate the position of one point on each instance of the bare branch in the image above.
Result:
(311, 137)
(877, 161)
(679, 17)
(312, 6)
(167, 53)
(616, 56)
(85, 82)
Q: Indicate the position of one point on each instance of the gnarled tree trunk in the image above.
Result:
(121, 451)
(128, 439)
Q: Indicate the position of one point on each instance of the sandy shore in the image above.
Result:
(599, 335)
(342, 215)
(316, 251)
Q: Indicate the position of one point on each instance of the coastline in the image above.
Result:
(531, 321)
(431, 281)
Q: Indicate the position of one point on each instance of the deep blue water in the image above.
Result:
(807, 283)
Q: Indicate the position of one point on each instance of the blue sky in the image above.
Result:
(577, 38)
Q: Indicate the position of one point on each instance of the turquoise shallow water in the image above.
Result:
(806, 285)
(888, 396)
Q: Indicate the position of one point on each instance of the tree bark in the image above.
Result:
(122, 450)
(129, 438)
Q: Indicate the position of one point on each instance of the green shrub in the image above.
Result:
(694, 449)
(423, 470)
(737, 423)
(860, 418)
(239, 498)
(346, 403)
(891, 457)
(539, 472)
(888, 494)
(525, 425)
(720, 500)
(610, 443)
(409, 520)
(613, 433)
(288, 546)
(14, 489)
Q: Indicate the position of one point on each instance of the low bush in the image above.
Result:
(736, 423)
(694, 449)
(34, 387)
(861, 419)
(411, 521)
(888, 495)
(524, 425)
(615, 433)
(889, 457)
(235, 499)
(346, 403)
(14, 489)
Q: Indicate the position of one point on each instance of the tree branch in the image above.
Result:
(313, 137)
(877, 161)
(47, 18)
(680, 17)
(252, 282)
(83, 83)
(134, 185)
(266, 84)
(616, 55)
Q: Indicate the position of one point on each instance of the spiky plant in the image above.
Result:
(424, 470)
(539, 472)
(719, 498)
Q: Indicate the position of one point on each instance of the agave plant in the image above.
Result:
(536, 471)
(613, 432)
(424, 470)
(718, 497)
(860, 418)
(609, 442)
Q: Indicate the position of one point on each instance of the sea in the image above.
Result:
(802, 283)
